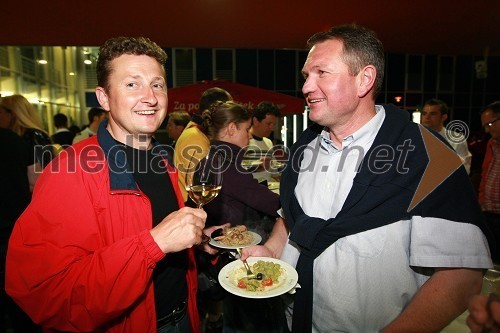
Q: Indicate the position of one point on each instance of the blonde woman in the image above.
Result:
(18, 115)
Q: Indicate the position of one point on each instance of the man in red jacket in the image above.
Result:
(106, 244)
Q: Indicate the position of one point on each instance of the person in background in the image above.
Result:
(177, 121)
(264, 118)
(124, 261)
(96, 116)
(369, 259)
(18, 177)
(193, 144)
(228, 125)
(63, 135)
(241, 201)
(75, 129)
(193, 140)
(489, 187)
(21, 117)
(477, 146)
(434, 114)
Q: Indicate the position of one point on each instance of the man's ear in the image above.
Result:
(102, 97)
(367, 77)
(445, 117)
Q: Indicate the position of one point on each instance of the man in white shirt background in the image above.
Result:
(434, 113)
(96, 115)
(264, 118)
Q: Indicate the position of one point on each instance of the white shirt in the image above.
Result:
(86, 133)
(459, 143)
(62, 129)
(260, 145)
(363, 281)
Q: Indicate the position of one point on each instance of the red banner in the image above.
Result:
(186, 98)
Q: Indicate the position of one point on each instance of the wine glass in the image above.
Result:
(204, 178)
(204, 181)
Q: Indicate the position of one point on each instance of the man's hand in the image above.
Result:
(255, 251)
(481, 319)
(180, 230)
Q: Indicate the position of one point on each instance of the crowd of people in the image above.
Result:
(113, 243)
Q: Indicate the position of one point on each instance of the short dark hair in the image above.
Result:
(60, 120)
(180, 118)
(115, 47)
(495, 107)
(94, 112)
(443, 107)
(212, 95)
(361, 47)
(264, 108)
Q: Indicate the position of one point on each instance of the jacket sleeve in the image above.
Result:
(79, 257)
(246, 189)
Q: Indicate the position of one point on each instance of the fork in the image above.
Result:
(250, 274)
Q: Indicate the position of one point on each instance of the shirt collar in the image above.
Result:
(363, 136)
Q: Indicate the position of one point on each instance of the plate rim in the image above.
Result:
(292, 275)
(257, 239)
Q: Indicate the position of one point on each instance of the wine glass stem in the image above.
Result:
(200, 206)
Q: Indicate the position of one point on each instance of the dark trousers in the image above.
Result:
(247, 315)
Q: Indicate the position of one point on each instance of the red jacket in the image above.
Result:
(81, 257)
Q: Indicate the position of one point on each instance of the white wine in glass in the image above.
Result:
(202, 194)
(204, 179)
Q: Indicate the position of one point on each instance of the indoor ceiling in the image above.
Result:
(467, 27)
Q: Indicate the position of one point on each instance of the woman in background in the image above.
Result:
(242, 200)
(18, 115)
(228, 127)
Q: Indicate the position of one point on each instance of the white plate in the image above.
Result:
(254, 154)
(251, 164)
(256, 240)
(232, 272)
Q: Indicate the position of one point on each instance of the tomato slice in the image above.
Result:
(242, 284)
(266, 282)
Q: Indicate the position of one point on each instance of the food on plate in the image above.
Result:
(270, 271)
(233, 236)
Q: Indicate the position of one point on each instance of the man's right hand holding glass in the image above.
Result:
(180, 230)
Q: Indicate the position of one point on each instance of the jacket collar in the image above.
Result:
(121, 177)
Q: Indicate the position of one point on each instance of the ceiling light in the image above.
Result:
(42, 62)
(71, 73)
(88, 59)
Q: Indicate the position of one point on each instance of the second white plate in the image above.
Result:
(256, 240)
